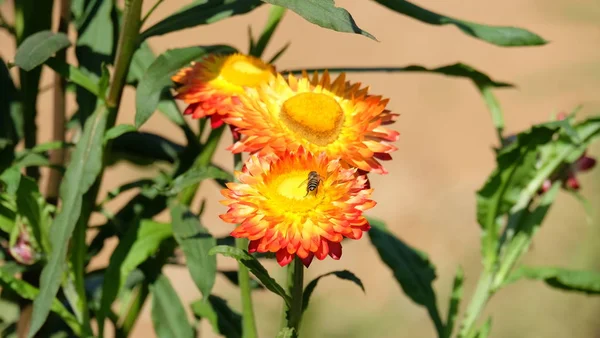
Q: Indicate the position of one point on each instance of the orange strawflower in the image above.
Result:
(279, 210)
(337, 118)
(211, 86)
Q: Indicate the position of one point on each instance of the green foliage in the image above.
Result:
(497, 35)
(222, 318)
(38, 48)
(412, 269)
(323, 13)
(168, 314)
(196, 242)
(112, 53)
(587, 282)
(344, 275)
(254, 266)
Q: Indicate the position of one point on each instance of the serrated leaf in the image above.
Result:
(587, 282)
(287, 332)
(168, 314)
(516, 167)
(200, 13)
(81, 173)
(117, 131)
(222, 318)
(455, 298)
(194, 176)
(412, 269)
(344, 275)
(27, 291)
(195, 241)
(497, 35)
(254, 266)
(38, 47)
(141, 241)
(323, 13)
(158, 76)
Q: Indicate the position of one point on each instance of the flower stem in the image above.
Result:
(295, 288)
(482, 295)
(248, 321)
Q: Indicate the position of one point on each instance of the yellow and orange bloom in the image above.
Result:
(278, 213)
(338, 118)
(211, 86)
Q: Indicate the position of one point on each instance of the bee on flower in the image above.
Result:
(271, 205)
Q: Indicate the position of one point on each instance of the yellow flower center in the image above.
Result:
(315, 116)
(245, 71)
(289, 192)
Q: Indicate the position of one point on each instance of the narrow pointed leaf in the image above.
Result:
(158, 76)
(455, 298)
(221, 317)
(200, 13)
(412, 269)
(28, 291)
(195, 176)
(37, 48)
(344, 274)
(75, 75)
(323, 13)
(141, 241)
(454, 70)
(81, 173)
(485, 329)
(276, 14)
(254, 266)
(497, 35)
(117, 131)
(168, 314)
(195, 241)
(587, 282)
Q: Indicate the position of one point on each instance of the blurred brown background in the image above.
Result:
(444, 156)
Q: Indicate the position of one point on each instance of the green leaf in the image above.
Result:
(141, 241)
(81, 173)
(194, 176)
(37, 48)
(497, 35)
(195, 241)
(344, 274)
(529, 223)
(117, 131)
(323, 13)
(455, 298)
(279, 53)
(144, 148)
(158, 76)
(200, 13)
(28, 291)
(73, 74)
(287, 332)
(275, 15)
(11, 178)
(587, 282)
(254, 266)
(222, 318)
(96, 30)
(485, 329)
(455, 70)
(168, 314)
(8, 214)
(32, 206)
(411, 268)
(516, 167)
